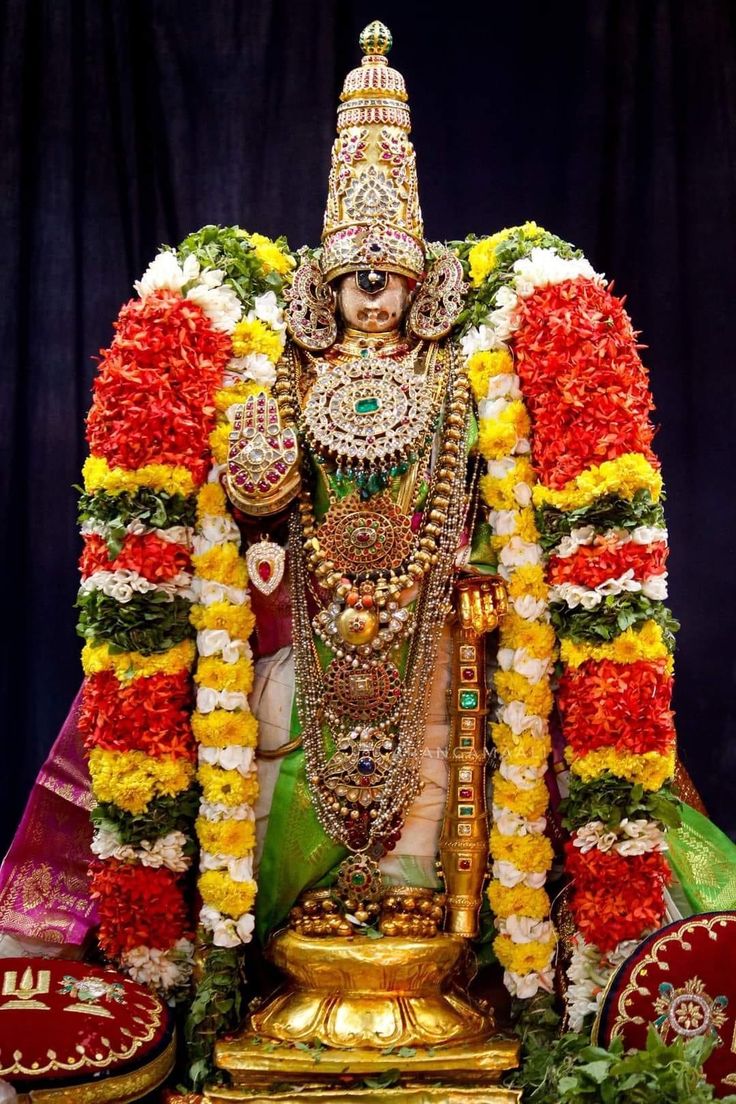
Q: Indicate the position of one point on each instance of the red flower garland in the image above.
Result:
(153, 394)
(146, 714)
(594, 564)
(616, 897)
(155, 559)
(619, 705)
(138, 906)
(582, 379)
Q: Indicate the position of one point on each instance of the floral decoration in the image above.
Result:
(555, 363)
(164, 607)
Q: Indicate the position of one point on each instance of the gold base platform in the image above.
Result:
(431, 1094)
(375, 993)
(357, 1008)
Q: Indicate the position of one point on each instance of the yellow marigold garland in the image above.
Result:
(132, 779)
(506, 490)
(227, 890)
(99, 476)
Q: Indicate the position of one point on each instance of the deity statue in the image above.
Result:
(374, 573)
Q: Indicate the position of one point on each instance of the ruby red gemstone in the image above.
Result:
(265, 570)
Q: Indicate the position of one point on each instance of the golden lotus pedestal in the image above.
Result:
(360, 1008)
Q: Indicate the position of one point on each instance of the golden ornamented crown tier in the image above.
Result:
(373, 218)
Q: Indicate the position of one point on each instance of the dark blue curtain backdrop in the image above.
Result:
(126, 123)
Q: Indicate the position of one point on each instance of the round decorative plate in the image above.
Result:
(681, 980)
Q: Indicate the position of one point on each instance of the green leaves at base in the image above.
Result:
(572, 1071)
(606, 512)
(229, 248)
(611, 799)
(615, 614)
(215, 1009)
(148, 623)
(162, 815)
(154, 509)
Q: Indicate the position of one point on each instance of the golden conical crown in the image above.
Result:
(373, 218)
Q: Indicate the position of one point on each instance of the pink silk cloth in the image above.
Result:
(44, 892)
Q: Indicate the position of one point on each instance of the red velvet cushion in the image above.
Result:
(682, 979)
(66, 1022)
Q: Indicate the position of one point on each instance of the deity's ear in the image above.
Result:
(439, 299)
(310, 310)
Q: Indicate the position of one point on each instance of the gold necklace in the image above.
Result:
(362, 791)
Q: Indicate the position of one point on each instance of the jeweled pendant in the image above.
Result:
(265, 561)
(359, 877)
(357, 626)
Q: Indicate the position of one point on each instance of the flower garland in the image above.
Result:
(137, 513)
(521, 852)
(162, 583)
(599, 516)
(225, 729)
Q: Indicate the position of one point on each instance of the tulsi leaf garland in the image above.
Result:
(597, 492)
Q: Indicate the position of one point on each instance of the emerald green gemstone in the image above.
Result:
(468, 699)
(465, 810)
(366, 406)
(466, 741)
(358, 879)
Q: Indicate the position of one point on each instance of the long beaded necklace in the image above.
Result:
(361, 791)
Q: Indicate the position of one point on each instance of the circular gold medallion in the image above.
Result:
(357, 626)
(366, 536)
(361, 692)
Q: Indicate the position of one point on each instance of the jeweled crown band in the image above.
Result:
(378, 246)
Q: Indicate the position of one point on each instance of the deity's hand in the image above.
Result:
(263, 458)
(481, 602)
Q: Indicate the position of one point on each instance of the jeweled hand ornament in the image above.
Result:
(262, 474)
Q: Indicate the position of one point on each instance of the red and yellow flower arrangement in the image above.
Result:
(163, 583)
(596, 488)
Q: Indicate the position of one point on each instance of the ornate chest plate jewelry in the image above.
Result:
(371, 411)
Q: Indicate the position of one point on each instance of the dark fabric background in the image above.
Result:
(126, 123)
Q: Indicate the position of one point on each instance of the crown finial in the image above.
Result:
(376, 39)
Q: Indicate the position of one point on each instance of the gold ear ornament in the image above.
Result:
(439, 299)
(310, 311)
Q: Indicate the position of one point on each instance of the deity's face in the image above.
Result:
(368, 310)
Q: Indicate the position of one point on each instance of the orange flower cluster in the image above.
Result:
(582, 379)
(138, 907)
(145, 714)
(587, 393)
(592, 564)
(616, 897)
(625, 706)
(153, 396)
(155, 559)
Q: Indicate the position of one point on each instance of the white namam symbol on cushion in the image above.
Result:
(689, 1010)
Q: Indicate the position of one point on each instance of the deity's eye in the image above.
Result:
(371, 281)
